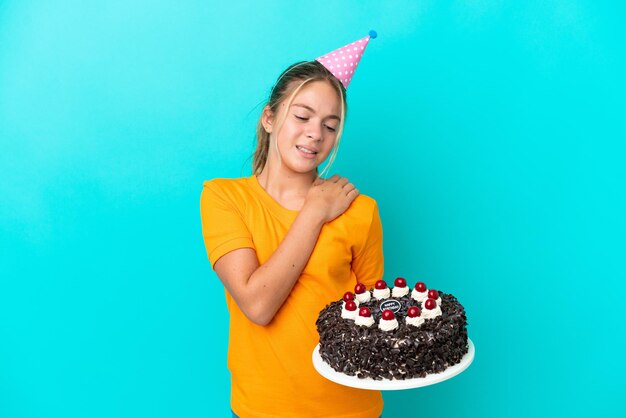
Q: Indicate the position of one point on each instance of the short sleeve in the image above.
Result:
(368, 264)
(223, 226)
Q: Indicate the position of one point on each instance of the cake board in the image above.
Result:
(329, 373)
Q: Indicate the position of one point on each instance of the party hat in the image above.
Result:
(342, 62)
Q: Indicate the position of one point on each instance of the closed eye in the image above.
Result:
(304, 119)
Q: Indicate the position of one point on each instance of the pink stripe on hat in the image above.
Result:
(342, 62)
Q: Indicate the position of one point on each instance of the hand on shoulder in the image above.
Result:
(329, 198)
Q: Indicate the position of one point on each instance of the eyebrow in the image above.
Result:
(311, 109)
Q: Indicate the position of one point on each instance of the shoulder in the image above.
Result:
(234, 191)
(237, 187)
(226, 184)
(362, 222)
(362, 211)
(363, 204)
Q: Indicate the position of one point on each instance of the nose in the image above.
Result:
(315, 132)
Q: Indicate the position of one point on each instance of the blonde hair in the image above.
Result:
(306, 72)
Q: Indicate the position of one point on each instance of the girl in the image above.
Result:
(285, 242)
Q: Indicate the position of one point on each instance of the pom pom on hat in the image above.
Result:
(342, 62)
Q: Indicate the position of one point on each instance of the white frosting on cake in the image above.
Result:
(419, 296)
(431, 313)
(416, 321)
(346, 314)
(388, 324)
(367, 321)
(397, 292)
(422, 296)
(381, 293)
(363, 297)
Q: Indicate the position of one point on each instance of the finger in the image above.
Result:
(354, 192)
(335, 178)
(348, 188)
(318, 181)
(343, 181)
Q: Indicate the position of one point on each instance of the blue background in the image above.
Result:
(491, 134)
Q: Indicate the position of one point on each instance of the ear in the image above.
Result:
(267, 119)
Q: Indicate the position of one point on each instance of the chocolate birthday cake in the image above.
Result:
(398, 333)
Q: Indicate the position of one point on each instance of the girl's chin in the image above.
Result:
(303, 168)
(302, 165)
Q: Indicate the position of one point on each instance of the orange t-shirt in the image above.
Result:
(272, 373)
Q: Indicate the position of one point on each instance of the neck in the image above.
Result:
(285, 186)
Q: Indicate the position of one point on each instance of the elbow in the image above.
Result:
(259, 315)
(261, 321)
(258, 308)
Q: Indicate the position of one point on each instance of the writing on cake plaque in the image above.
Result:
(392, 304)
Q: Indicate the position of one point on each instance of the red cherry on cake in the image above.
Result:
(388, 315)
(400, 282)
(359, 288)
(350, 305)
(430, 304)
(414, 311)
(381, 284)
(433, 294)
(348, 296)
(365, 311)
(420, 287)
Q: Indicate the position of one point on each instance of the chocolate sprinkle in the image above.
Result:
(404, 353)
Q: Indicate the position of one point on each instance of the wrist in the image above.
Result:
(311, 216)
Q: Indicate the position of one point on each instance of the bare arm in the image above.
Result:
(260, 290)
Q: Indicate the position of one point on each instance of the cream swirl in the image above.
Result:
(388, 324)
(366, 321)
(363, 297)
(415, 321)
(397, 292)
(431, 313)
(419, 296)
(346, 314)
(382, 293)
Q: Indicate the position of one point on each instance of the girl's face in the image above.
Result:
(310, 128)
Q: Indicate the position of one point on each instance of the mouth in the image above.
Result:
(306, 150)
